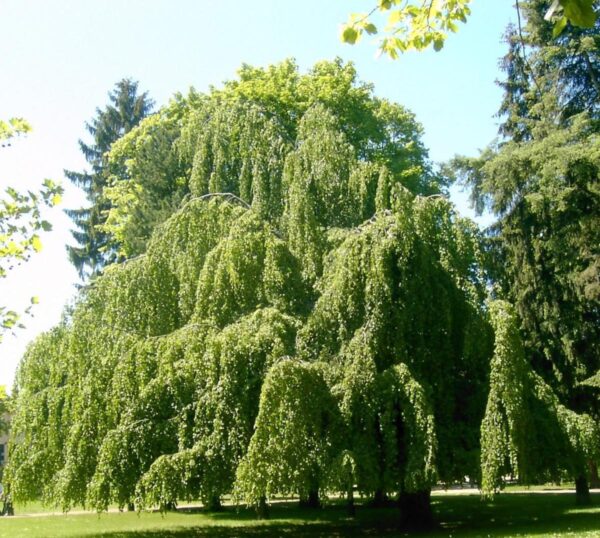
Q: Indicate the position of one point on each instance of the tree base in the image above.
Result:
(214, 505)
(582, 491)
(380, 500)
(415, 510)
(262, 509)
(312, 501)
(350, 506)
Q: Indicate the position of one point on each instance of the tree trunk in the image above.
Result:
(594, 478)
(312, 501)
(214, 504)
(582, 491)
(262, 508)
(415, 509)
(130, 507)
(168, 507)
(379, 500)
(350, 502)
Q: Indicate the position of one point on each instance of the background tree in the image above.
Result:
(541, 181)
(124, 111)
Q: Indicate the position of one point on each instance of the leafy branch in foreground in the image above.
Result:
(21, 220)
(418, 25)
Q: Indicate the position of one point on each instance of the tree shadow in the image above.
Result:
(508, 515)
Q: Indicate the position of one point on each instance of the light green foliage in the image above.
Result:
(184, 241)
(21, 221)
(239, 139)
(40, 415)
(248, 269)
(409, 25)
(237, 361)
(148, 180)
(171, 478)
(238, 149)
(317, 327)
(417, 25)
(374, 312)
(526, 430)
(293, 445)
(410, 461)
(358, 393)
(504, 428)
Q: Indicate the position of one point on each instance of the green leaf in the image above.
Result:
(370, 28)
(35, 300)
(579, 12)
(349, 35)
(559, 26)
(438, 44)
(36, 243)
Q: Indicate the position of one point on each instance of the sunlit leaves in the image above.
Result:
(21, 219)
(419, 24)
(409, 25)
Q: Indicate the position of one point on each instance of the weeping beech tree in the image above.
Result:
(311, 319)
(526, 430)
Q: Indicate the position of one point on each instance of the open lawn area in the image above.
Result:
(511, 514)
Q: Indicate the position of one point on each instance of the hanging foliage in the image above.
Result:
(526, 430)
(294, 441)
(310, 319)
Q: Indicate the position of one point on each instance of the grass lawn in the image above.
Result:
(511, 514)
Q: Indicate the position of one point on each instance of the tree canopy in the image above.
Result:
(310, 318)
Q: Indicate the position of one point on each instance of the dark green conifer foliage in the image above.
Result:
(542, 183)
(125, 111)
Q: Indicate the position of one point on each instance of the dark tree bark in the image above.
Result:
(214, 504)
(594, 478)
(312, 501)
(582, 491)
(379, 500)
(350, 502)
(415, 509)
(262, 509)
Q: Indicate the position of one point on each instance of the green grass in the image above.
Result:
(512, 514)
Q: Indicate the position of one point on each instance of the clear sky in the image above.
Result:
(59, 59)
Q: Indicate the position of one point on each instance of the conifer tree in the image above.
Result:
(125, 110)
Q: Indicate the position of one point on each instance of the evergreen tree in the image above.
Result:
(542, 182)
(124, 111)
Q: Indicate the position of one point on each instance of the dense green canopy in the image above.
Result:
(311, 317)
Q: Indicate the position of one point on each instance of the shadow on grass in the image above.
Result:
(508, 515)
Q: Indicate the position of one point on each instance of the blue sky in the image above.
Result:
(59, 58)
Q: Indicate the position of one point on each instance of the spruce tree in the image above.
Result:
(125, 110)
(541, 181)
